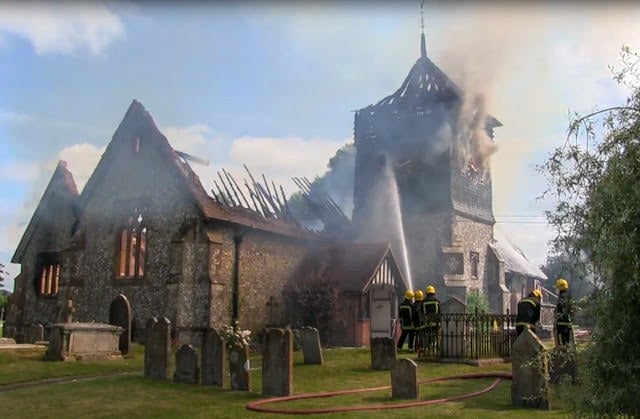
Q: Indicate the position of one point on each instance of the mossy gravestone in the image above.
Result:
(277, 363)
(529, 368)
(157, 348)
(383, 353)
(187, 366)
(213, 359)
(311, 348)
(404, 380)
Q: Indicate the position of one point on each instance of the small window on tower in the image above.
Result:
(137, 145)
(474, 261)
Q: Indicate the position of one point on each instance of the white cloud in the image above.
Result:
(187, 138)
(82, 160)
(19, 171)
(62, 27)
(290, 155)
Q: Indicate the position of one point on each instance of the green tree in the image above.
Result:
(594, 178)
(2, 275)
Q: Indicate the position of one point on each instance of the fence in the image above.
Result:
(470, 336)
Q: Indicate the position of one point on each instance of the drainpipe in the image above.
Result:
(235, 296)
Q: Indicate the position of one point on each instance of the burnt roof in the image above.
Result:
(515, 261)
(138, 116)
(425, 84)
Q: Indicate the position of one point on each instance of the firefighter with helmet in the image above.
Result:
(419, 320)
(406, 315)
(528, 312)
(563, 313)
(431, 311)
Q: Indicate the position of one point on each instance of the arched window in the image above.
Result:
(132, 248)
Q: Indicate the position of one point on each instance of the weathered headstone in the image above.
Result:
(404, 380)
(529, 369)
(120, 315)
(277, 363)
(239, 368)
(187, 365)
(563, 365)
(157, 348)
(213, 359)
(311, 348)
(273, 312)
(383, 353)
(36, 333)
(454, 326)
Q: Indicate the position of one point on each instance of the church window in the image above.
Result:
(475, 260)
(49, 279)
(132, 248)
(136, 147)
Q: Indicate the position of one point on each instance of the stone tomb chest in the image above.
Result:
(75, 341)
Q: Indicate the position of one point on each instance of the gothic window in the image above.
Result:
(132, 247)
(49, 276)
(474, 261)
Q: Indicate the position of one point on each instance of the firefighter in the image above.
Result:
(528, 312)
(563, 313)
(418, 318)
(431, 310)
(405, 313)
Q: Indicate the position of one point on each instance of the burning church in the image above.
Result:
(144, 229)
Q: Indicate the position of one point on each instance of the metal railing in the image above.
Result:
(470, 336)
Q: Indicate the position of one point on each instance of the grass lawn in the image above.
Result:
(132, 395)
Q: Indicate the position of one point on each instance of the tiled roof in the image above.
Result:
(352, 265)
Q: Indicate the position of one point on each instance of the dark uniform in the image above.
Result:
(564, 310)
(405, 312)
(528, 313)
(431, 311)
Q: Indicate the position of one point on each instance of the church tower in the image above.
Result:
(437, 143)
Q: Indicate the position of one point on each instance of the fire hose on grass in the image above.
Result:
(260, 405)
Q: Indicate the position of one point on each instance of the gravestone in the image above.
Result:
(277, 363)
(213, 359)
(120, 315)
(454, 326)
(529, 368)
(36, 333)
(311, 348)
(404, 380)
(187, 366)
(563, 365)
(273, 312)
(239, 367)
(383, 353)
(157, 348)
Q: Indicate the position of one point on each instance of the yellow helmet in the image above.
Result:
(408, 295)
(562, 284)
(419, 295)
(537, 294)
(431, 289)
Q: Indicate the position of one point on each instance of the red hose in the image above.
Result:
(258, 405)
